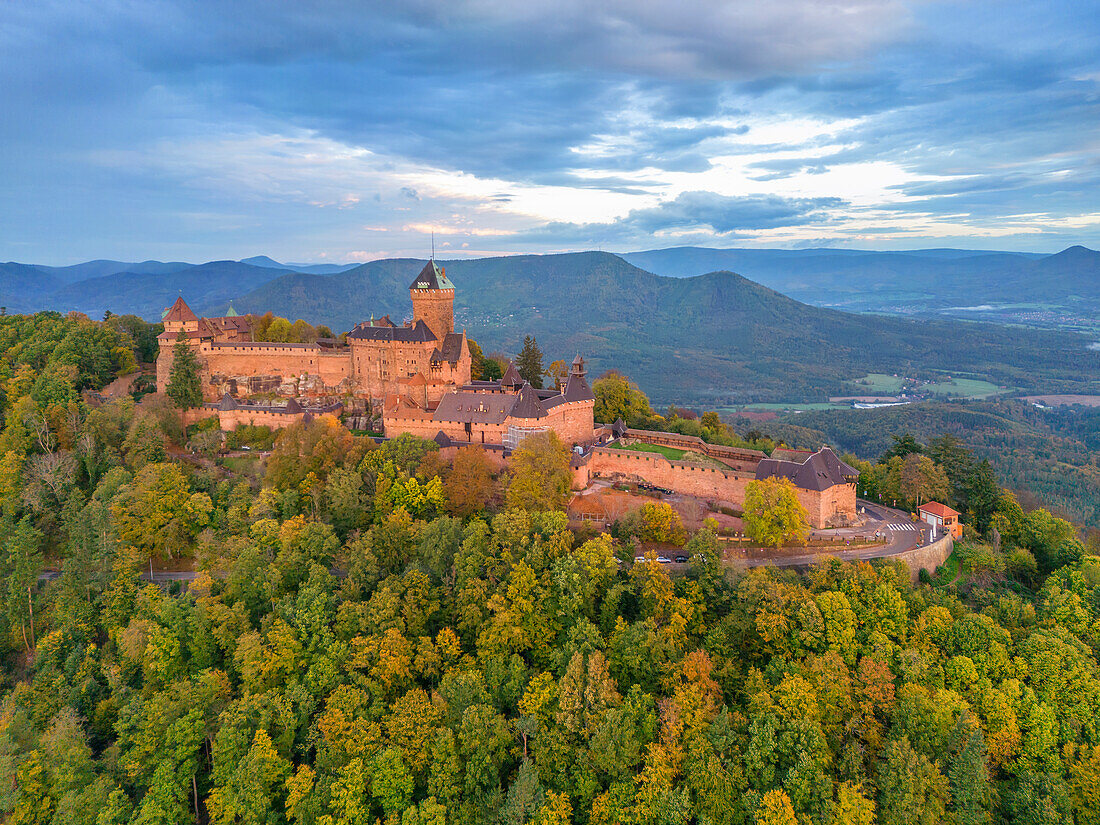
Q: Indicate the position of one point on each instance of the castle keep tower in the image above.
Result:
(433, 300)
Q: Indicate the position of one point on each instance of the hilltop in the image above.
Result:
(710, 338)
(713, 338)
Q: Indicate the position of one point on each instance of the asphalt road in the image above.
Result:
(904, 534)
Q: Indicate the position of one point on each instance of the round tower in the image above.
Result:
(433, 300)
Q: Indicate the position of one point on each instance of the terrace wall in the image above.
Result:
(736, 457)
(708, 483)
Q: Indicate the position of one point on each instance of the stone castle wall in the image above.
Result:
(436, 309)
(735, 457)
(572, 422)
(220, 362)
(260, 417)
(711, 483)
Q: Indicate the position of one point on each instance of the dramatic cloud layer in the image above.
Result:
(338, 130)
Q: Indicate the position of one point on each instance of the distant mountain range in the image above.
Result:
(712, 338)
(950, 281)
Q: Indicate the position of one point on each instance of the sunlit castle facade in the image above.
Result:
(419, 372)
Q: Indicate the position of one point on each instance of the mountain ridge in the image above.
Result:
(715, 336)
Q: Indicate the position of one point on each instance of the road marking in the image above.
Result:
(906, 527)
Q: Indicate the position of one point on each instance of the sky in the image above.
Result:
(334, 131)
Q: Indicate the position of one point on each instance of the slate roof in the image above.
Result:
(577, 389)
(820, 471)
(452, 347)
(511, 377)
(474, 408)
(179, 311)
(431, 277)
(418, 332)
(528, 405)
(786, 454)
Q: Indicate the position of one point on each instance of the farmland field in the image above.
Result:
(879, 383)
(963, 388)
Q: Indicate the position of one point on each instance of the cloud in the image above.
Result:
(723, 215)
(550, 123)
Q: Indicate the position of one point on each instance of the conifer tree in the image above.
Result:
(529, 363)
(184, 386)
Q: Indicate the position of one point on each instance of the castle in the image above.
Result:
(422, 359)
(419, 374)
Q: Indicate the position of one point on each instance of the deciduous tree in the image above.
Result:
(469, 483)
(773, 515)
(540, 473)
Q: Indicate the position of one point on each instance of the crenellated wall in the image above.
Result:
(285, 361)
(571, 421)
(738, 458)
(835, 504)
(274, 417)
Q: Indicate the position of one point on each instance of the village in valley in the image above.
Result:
(418, 379)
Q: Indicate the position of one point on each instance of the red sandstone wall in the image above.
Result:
(705, 482)
(708, 483)
(435, 308)
(164, 367)
(275, 359)
(495, 457)
(736, 457)
(231, 419)
(376, 367)
(572, 423)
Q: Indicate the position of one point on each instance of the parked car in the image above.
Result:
(639, 558)
(664, 560)
(681, 559)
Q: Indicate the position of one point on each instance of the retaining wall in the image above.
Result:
(706, 482)
(736, 457)
(928, 557)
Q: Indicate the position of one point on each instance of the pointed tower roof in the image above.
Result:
(431, 277)
(528, 404)
(511, 377)
(576, 385)
(179, 311)
(231, 313)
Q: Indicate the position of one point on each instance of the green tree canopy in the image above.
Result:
(529, 362)
(541, 478)
(619, 397)
(184, 385)
(773, 515)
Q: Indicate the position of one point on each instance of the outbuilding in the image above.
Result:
(941, 516)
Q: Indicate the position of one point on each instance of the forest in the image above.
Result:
(374, 633)
(1046, 455)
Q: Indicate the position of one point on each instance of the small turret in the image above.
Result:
(576, 385)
